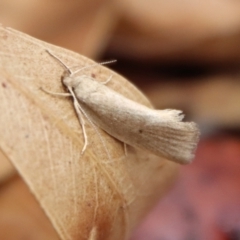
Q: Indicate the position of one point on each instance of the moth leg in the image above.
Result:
(78, 110)
(125, 149)
(56, 94)
(107, 81)
(82, 122)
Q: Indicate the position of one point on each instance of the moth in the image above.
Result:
(160, 132)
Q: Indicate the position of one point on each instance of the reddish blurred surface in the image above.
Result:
(205, 202)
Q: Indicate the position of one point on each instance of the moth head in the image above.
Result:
(69, 80)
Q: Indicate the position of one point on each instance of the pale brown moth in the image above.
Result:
(160, 132)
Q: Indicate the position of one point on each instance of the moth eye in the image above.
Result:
(140, 131)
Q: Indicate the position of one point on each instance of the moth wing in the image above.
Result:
(174, 139)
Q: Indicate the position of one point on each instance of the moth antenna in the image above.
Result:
(95, 64)
(108, 62)
(61, 62)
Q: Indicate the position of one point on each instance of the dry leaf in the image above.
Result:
(202, 98)
(85, 197)
(6, 168)
(165, 30)
(82, 26)
(21, 217)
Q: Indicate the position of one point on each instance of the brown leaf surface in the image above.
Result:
(85, 197)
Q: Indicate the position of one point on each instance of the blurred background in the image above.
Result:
(181, 54)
